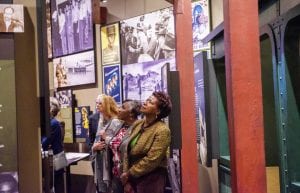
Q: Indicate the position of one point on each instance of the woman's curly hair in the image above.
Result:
(164, 104)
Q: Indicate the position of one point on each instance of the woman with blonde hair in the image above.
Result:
(107, 125)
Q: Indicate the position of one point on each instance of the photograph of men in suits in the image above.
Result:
(9, 22)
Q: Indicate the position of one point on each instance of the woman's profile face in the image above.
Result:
(100, 106)
(150, 106)
(124, 111)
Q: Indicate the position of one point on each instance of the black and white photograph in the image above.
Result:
(64, 98)
(72, 28)
(48, 23)
(148, 37)
(74, 70)
(11, 18)
(141, 79)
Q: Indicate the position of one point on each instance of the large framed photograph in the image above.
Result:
(140, 80)
(110, 44)
(148, 37)
(201, 28)
(11, 18)
(202, 110)
(71, 25)
(74, 70)
(64, 98)
(112, 82)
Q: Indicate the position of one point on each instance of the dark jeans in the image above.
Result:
(59, 181)
(117, 186)
(153, 182)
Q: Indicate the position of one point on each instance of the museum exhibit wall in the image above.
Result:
(117, 10)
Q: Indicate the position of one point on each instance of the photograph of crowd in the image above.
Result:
(64, 98)
(148, 37)
(112, 82)
(11, 18)
(73, 70)
(200, 24)
(141, 79)
(72, 28)
(110, 43)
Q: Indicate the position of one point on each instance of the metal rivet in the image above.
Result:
(282, 108)
(281, 93)
(280, 78)
(283, 124)
(283, 139)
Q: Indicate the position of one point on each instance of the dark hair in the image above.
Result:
(9, 7)
(135, 107)
(164, 104)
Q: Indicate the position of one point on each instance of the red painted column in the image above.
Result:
(185, 66)
(244, 96)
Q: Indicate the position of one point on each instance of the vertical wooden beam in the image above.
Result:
(185, 66)
(244, 96)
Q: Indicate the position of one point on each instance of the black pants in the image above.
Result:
(153, 182)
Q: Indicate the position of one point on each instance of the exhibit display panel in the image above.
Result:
(81, 123)
(203, 125)
(112, 84)
(8, 128)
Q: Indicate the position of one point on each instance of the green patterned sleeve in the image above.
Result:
(154, 156)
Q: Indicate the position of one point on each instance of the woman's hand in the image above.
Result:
(124, 177)
(128, 188)
(102, 134)
(100, 145)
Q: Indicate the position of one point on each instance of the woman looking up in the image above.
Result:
(108, 124)
(128, 113)
(146, 166)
